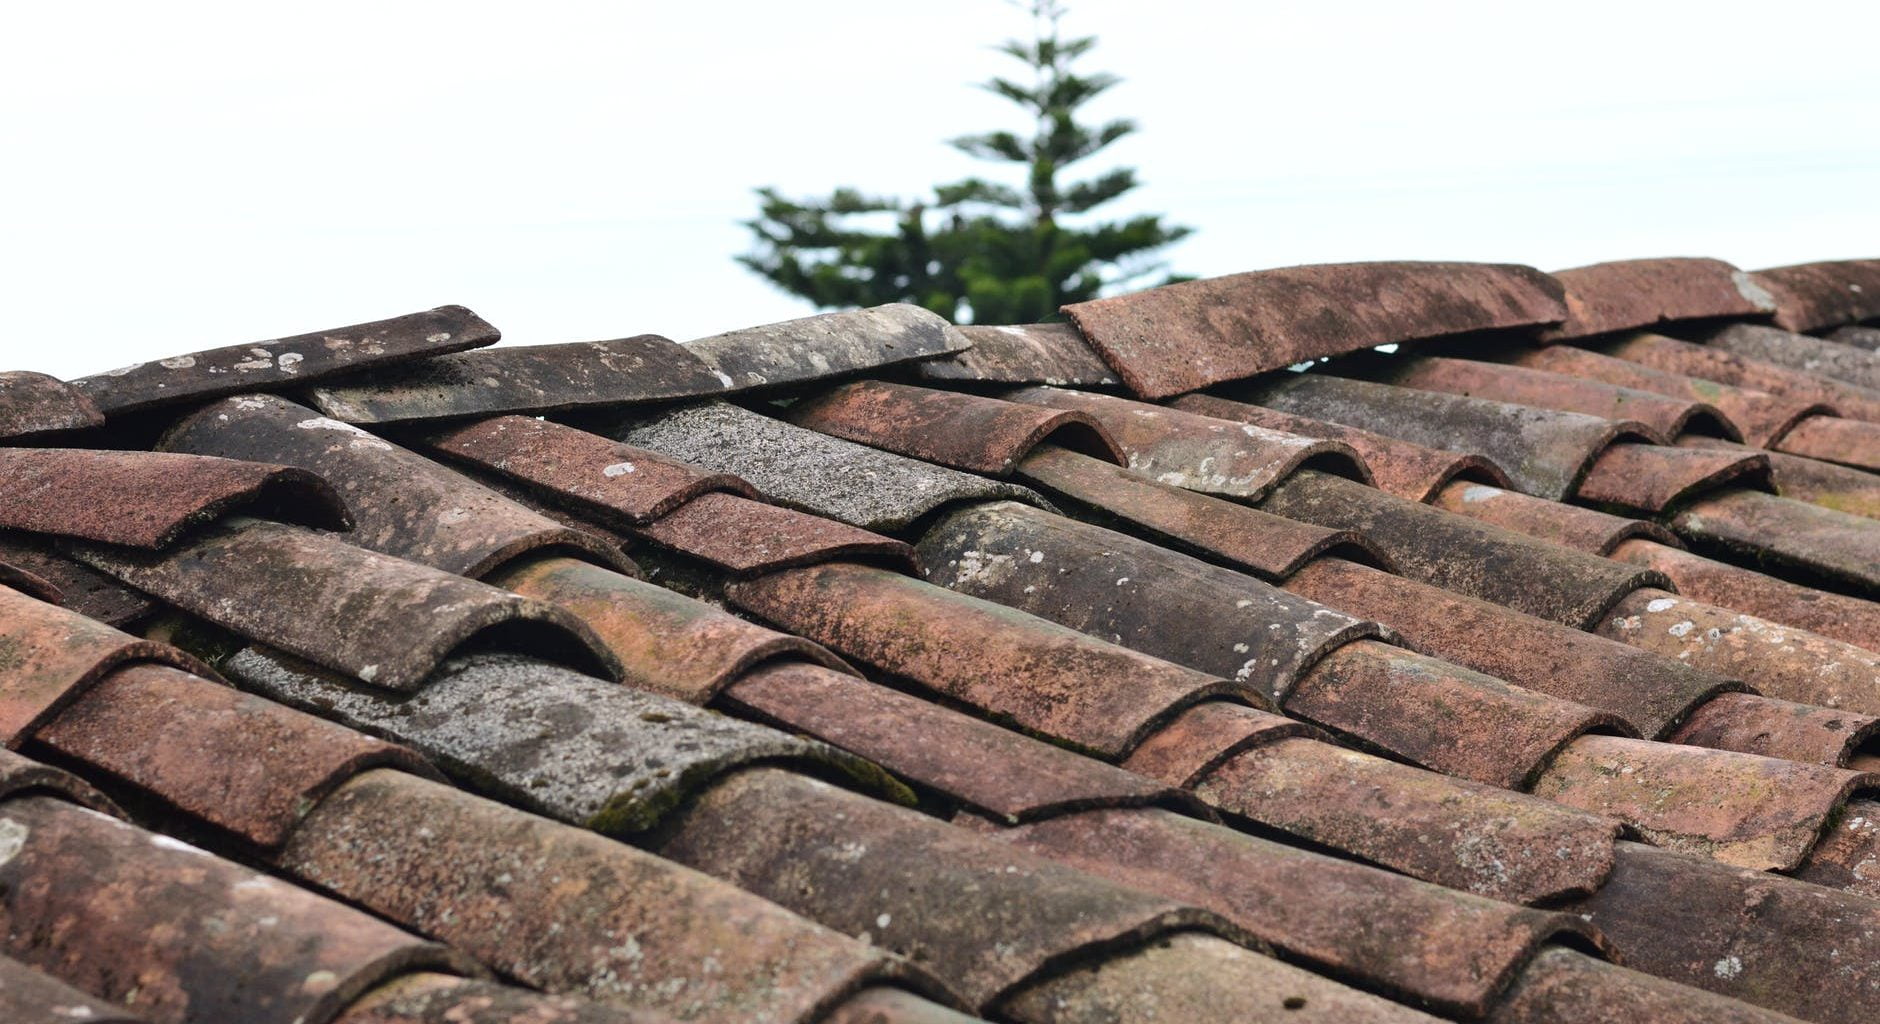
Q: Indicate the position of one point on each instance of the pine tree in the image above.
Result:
(1000, 253)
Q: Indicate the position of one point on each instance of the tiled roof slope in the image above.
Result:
(863, 668)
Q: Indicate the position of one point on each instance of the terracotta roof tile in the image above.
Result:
(1027, 671)
(380, 619)
(1026, 354)
(1651, 694)
(1573, 526)
(178, 932)
(803, 469)
(666, 642)
(1461, 691)
(81, 588)
(32, 404)
(1627, 294)
(1445, 950)
(1666, 415)
(1785, 662)
(28, 996)
(1810, 296)
(1768, 940)
(1805, 538)
(1201, 453)
(1544, 452)
(1714, 364)
(826, 345)
(53, 655)
(1461, 554)
(403, 504)
(1184, 337)
(1818, 356)
(149, 499)
(1854, 443)
(993, 771)
(589, 473)
(1761, 416)
(1398, 467)
(530, 378)
(30, 583)
(1270, 546)
(969, 432)
(1821, 483)
(566, 746)
(287, 362)
(1653, 478)
(1138, 595)
(1839, 616)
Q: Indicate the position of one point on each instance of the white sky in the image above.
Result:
(180, 175)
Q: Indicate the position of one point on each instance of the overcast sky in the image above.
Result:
(183, 175)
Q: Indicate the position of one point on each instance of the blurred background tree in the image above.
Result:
(979, 250)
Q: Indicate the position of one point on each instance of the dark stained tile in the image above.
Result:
(1184, 337)
(1627, 294)
(523, 378)
(1849, 854)
(30, 583)
(403, 504)
(1398, 467)
(1860, 337)
(1223, 457)
(288, 362)
(80, 588)
(1545, 452)
(1138, 595)
(32, 404)
(22, 776)
(1776, 942)
(1053, 353)
(1810, 296)
(1204, 736)
(1804, 539)
(970, 432)
(1464, 555)
(149, 499)
(380, 619)
(827, 345)
(814, 472)
(566, 746)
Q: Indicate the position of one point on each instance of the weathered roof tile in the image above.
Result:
(1810, 296)
(827, 345)
(969, 432)
(1184, 337)
(1626, 294)
(1054, 353)
(32, 404)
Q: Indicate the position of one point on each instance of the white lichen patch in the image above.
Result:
(1661, 604)
(12, 838)
(618, 469)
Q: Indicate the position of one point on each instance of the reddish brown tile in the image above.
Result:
(1746, 590)
(1815, 295)
(745, 537)
(1805, 539)
(1624, 294)
(1651, 478)
(34, 403)
(1573, 526)
(970, 432)
(1026, 354)
(1780, 728)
